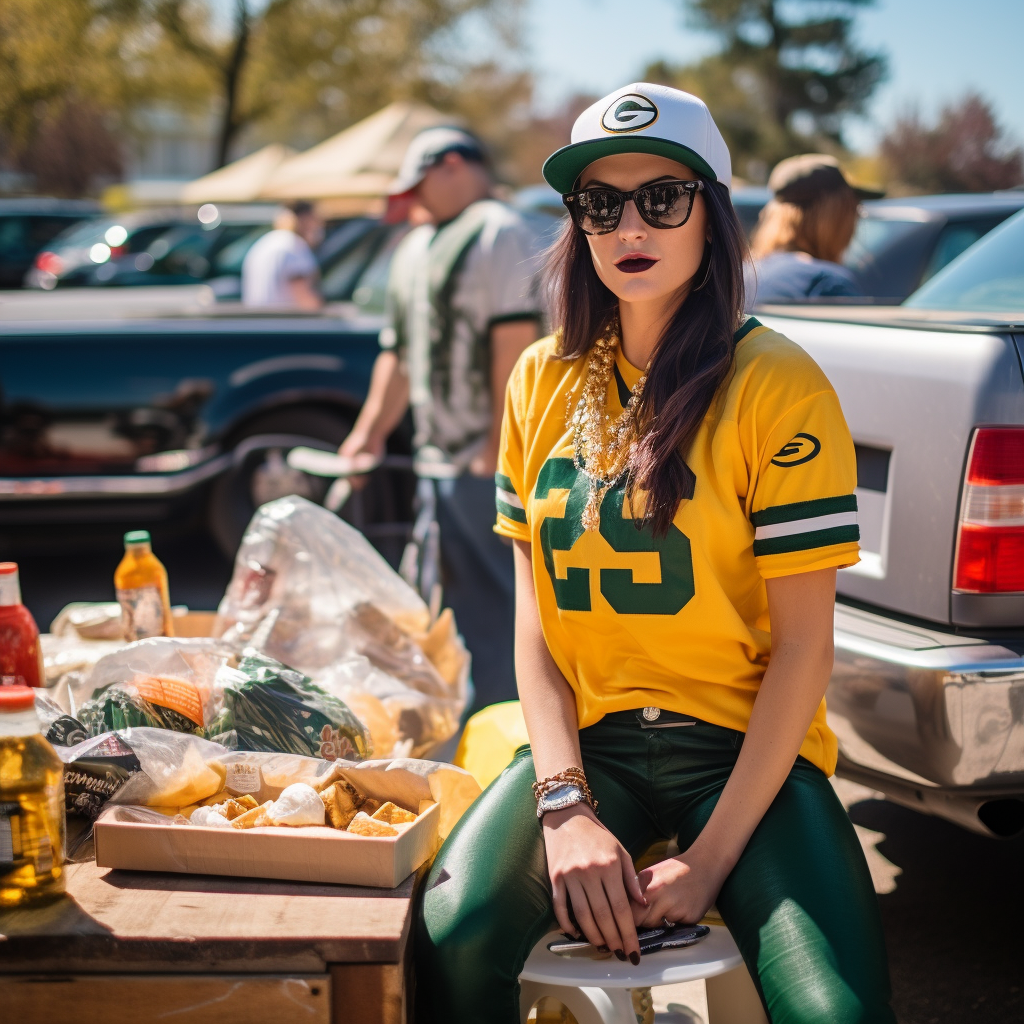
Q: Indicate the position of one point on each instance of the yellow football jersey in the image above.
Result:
(681, 622)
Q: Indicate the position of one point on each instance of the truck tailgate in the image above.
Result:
(912, 398)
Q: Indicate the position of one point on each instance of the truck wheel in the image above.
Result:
(261, 474)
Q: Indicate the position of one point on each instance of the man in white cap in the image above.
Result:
(462, 305)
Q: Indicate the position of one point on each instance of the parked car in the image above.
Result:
(900, 244)
(71, 257)
(27, 225)
(927, 694)
(209, 245)
(153, 420)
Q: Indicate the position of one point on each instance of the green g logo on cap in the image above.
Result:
(629, 113)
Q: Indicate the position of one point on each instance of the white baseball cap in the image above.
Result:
(643, 118)
(427, 149)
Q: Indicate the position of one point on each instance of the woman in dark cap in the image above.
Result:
(803, 232)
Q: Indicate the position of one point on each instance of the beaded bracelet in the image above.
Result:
(569, 777)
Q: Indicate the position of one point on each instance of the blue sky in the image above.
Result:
(937, 49)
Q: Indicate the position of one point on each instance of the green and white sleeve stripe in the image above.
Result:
(805, 524)
(506, 500)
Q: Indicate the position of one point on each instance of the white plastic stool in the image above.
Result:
(596, 991)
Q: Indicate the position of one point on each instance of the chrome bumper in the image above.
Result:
(926, 708)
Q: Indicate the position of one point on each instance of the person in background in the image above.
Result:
(280, 270)
(803, 232)
(462, 305)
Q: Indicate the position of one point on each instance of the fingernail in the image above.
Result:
(634, 959)
(620, 955)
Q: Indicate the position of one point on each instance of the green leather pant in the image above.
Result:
(799, 902)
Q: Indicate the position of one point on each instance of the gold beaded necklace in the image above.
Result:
(602, 449)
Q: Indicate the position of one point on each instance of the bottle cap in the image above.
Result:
(16, 698)
(137, 537)
(10, 585)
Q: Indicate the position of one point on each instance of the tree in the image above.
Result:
(966, 150)
(61, 70)
(787, 74)
(318, 63)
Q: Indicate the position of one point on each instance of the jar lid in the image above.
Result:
(17, 698)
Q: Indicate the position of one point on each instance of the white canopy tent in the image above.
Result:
(238, 182)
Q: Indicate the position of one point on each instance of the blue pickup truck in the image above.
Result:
(103, 420)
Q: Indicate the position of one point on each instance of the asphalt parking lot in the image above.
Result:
(952, 902)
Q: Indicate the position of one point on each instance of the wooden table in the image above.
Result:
(132, 947)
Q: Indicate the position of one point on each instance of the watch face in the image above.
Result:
(559, 798)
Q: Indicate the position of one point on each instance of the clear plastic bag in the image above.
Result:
(310, 591)
(162, 682)
(176, 769)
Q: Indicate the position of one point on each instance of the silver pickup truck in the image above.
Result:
(927, 694)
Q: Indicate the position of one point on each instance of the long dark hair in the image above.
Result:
(692, 358)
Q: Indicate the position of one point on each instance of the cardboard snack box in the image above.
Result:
(137, 839)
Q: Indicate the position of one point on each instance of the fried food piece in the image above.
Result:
(248, 801)
(363, 825)
(393, 814)
(329, 778)
(342, 803)
(217, 798)
(254, 818)
(370, 805)
(232, 809)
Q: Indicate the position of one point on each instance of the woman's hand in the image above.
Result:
(591, 871)
(680, 889)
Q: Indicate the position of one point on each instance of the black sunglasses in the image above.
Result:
(662, 204)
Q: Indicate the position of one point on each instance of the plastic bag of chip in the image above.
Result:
(310, 591)
(176, 769)
(271, 707)
(94, 771)
(161, 683)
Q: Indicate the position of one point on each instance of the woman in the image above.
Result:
(678, 485)
(803, 232)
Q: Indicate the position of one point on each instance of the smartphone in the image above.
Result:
(680, 937)
(651, 940)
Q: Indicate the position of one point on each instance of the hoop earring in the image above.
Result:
(707, 267)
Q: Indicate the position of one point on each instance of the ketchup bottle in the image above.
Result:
(21, 657)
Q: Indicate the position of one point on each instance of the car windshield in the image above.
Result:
(987, 278)
(874, 236)
(85, 234)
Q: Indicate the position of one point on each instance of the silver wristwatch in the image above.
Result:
(560, 797)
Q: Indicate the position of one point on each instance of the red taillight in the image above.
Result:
(997, 456)
(50, 263)
(117, 250)
(990, 538)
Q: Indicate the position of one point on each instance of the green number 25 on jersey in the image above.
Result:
(617, 585)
